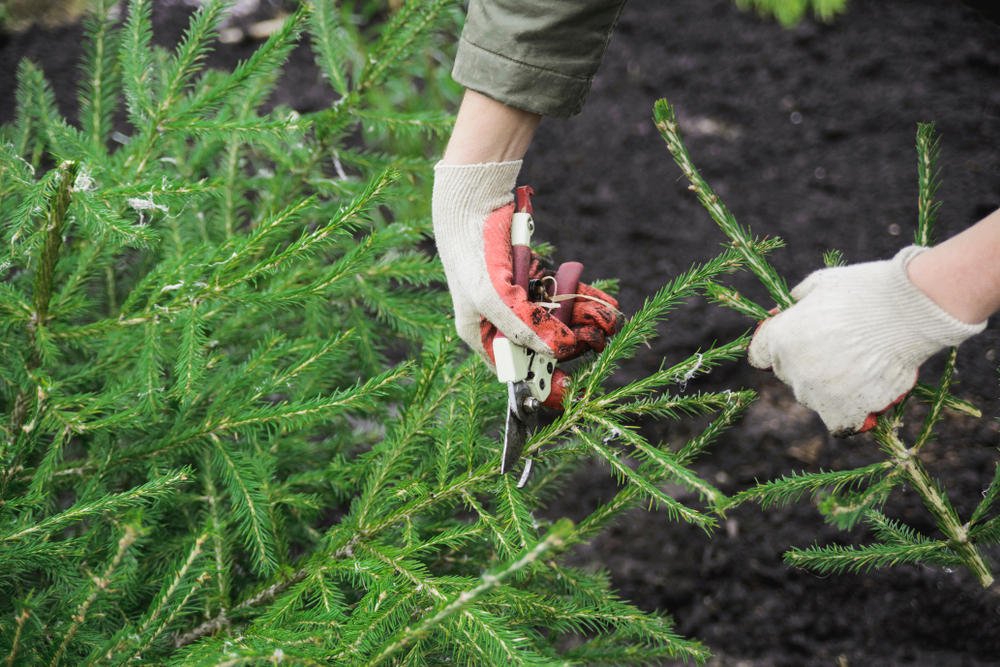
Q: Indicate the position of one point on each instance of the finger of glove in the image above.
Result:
(558, 392)
(847, 415)
(559, 338)
(811, 282)
(592, 322)
(467, 321)
(589, 338)
(872, 418)
(596, 309)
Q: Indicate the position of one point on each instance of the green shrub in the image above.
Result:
(208, 455)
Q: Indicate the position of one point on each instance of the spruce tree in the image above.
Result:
(211, 451)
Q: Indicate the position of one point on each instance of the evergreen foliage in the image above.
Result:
(790, 12)
(851, 496)
(210, 452)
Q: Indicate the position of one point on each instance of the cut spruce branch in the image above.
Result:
(848, 498)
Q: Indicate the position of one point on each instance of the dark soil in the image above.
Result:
(843, 177)
(807, 134)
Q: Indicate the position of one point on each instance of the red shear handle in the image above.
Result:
(567, 282)
(524, 199)
(522, 262)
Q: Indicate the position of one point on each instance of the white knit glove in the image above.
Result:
(852, 344)
(464, 196)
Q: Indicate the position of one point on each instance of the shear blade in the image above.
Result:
(515, 432)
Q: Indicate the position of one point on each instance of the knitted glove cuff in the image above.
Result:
(472, 191)
(930, 327)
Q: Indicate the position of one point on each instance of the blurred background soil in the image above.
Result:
(807, 134)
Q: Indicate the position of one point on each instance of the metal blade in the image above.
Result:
(515, 432)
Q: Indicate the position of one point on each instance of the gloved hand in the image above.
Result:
(852, 345)
(473, 208)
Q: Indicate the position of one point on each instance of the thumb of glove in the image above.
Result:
(759, 352)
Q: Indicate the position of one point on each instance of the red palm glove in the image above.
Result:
(591, 322)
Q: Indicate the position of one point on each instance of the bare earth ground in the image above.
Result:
(844, 177)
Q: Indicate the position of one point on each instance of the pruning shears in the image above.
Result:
(528, 374)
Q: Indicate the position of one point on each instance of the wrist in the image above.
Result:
(962, 274)
(936, 274)
(488, 131)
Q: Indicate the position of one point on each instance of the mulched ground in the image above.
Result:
(807, 134)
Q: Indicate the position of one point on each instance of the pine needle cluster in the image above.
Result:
(210, 452)
(851, 496)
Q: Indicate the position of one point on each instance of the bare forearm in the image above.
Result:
(962, 275)
(487, 131)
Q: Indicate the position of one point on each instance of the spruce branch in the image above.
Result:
(730, 298)
(741, 238)
(845, 509)
(990, 497)
(839, 559)
(60, 138)
(223, 620)
(647, 490)
(15, 166)
(154, 489)
(249, 503)
(98, 585)
(331, 40)
(136, 57)
(43, 288)
(937, 502)
(631, 495)
(102, 75)
(398, 40)
(516, 513)
(34, 202)
(986, 533)
(419, 124)
(927, 393)
(171, 586)
(506, 545)
(193, 48)
(642, 325)
(240, 131)
(789, 489)
(928, 150)
(20, 619)
(490, 580)
(680, 474)
(264, 60)
(53, 242)
(937, 405)
(220, 551)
